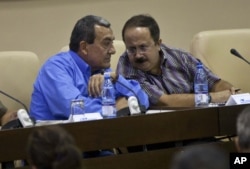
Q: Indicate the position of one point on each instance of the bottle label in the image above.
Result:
(201, 95)
(202, 98)
(108, 111)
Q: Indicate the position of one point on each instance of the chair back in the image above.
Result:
(18, 70)
(213, 49)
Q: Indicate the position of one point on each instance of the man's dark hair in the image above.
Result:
(143, 20)
(84, 30)
(52, 147)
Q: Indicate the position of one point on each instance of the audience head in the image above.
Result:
(51, 147)
(92, 38)
(201, 157)
(243, 131)
(141, 35)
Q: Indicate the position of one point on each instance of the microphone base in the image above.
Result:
(126, 111)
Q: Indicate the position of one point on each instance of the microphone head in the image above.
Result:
(234, 52)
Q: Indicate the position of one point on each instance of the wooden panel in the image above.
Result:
(145, 129)
(130, 131)
(142, 160)
(227, 118)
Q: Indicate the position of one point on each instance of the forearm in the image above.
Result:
(121, 103)
(176, 100)
(8, 116)
(127, 88)
(221, 91)
(221, 85)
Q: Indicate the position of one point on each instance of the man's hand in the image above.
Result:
(95, 85)
(223, 96)
(8, 116)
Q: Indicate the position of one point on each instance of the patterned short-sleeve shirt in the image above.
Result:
(178, 69)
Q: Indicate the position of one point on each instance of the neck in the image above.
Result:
(157, 69)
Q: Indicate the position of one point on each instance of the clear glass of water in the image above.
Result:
(77, 110)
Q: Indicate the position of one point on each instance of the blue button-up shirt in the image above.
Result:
(65, 77)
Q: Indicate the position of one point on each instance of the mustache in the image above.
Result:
(140, 60)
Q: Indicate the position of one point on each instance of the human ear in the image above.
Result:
(158, 43)
(83, 47)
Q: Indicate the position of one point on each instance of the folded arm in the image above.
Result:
(220, 93)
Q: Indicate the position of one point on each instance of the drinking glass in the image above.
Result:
(77, 110)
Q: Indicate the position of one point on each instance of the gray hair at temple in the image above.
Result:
(84, 30)
(243, 130)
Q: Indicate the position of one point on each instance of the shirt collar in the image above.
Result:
(163, 54)
(83, 66)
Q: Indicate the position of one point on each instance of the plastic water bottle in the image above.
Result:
(201, 87)
(108, 97)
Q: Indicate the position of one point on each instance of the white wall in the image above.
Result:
(44, 26)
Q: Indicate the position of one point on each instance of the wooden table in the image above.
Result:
(179, 125)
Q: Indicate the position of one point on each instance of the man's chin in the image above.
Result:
(143, 68)
(106, 66)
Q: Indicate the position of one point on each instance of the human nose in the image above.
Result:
(112, 50)
(138, 53)
(139, 50)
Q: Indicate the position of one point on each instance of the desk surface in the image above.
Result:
(134, 130)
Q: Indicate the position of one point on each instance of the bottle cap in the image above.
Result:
(106, 75)
(199, 65)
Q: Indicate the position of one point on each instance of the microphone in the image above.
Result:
(23, 119)
(18, 101)
(236, 53)
(131, 101)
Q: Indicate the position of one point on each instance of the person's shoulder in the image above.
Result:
(61, 58)
(124, 61)
(175, 50)
(124, 57)
(175, 53)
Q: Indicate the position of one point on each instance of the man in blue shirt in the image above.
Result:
(78, 74)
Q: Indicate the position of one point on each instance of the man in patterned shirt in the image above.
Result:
(165, 73)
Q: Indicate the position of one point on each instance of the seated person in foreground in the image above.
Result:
(242, 140)
(166, 74)
(53, 148)
(78, 74)
(201, 157)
